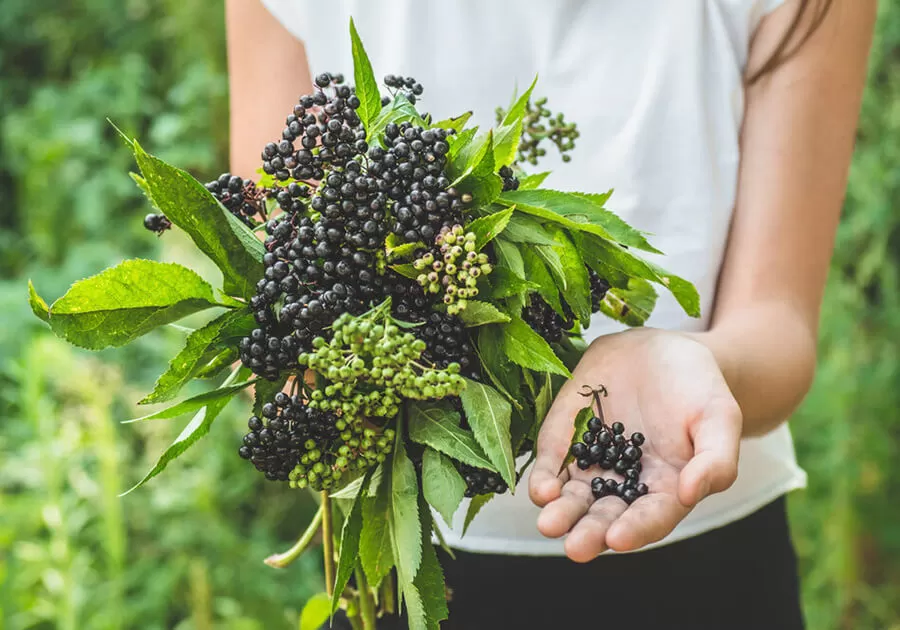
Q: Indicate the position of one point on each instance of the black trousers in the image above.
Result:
(741, 576)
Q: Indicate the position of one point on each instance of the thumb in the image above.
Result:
(545, 482)
(713, 468)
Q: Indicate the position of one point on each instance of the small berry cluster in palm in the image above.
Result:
(608, 447)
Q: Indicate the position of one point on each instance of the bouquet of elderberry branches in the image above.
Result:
(405, 321)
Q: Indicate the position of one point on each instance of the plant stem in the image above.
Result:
(281, 560)
(328, 542)
(366, 602)
(387, 594)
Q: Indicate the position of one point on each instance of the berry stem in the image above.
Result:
(282, 560)
(366, 601)
(328, 542)
(387, 594)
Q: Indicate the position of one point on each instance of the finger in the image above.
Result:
(560, 515)
(713, 468)
(587, 540)
(647, 520)
(544, 483)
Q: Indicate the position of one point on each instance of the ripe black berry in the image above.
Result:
(158, 223)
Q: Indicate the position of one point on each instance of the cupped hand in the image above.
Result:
(669, 387)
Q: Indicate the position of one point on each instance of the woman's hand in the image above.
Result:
(667, 386)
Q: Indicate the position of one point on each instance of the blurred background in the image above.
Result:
(186, 550)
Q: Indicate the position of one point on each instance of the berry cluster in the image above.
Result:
(408, 87)
(510, 181)
(481, 481)
(446, 338)
(456, 278)
(371, 365)
(545, 321)
(540, 124)
(599, 287)
(287, 431)
(359, 448)
(241, 196)
(158, 223)
(608, 447)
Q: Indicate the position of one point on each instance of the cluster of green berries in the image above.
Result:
(360, 449)
(371, 365)
(456, 269)
(541, 124)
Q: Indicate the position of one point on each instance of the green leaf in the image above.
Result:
(349, 548)
(457, 123)
(427, 600)
(629, 264)
(195, 429)
(509, 256)
(38, 305)
(530, 182)
(405, 527)
(316, 612)
(406, 270)
(504, 374)
(581, 422)
(489, 416)
(126, 301)
(475, 506)
(230, 244)
(542, 403)
(458, 143)
(188, 361)
(265, 391)
(578, 293)
(142, 184)
(352, 488)
(523, 228)
(398, 111)
(505, 283)
(526, 348)
(366, 85)
(480, 313)
(375, 552)
(631, 306)
(473, 170)
(437, 427)
(442, 484)
(394, 249)
(509, 133)
(226, 392)
(488, 227)
(217, 363)
(551, 258)
(584, 210)
(541, 277)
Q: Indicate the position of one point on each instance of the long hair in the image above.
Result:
(807, 20)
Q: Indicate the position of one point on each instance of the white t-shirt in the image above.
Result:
(656, 89)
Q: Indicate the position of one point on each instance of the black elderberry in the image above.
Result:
(637, 439)
(545, 321)
(618, 428)
(158, 223)
(240, 196)
(481, 481)
(599, 287)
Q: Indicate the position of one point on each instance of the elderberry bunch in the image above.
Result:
(608, 447)
(446, 338)
(241, 196)
(371, 365)
(328, 128)
(541, 124)
(510, 181)
(287, 431)
(481, 481)
(411, 172)
(358, 449)
(599, 287)
(545, 321)
(457, 270)
(408, 86)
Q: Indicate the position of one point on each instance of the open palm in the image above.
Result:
(667, 386)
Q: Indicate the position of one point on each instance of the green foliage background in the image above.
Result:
(186, 550)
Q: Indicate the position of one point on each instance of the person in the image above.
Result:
(726, 128)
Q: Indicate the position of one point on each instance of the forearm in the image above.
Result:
(267, 72)
(768, 355)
